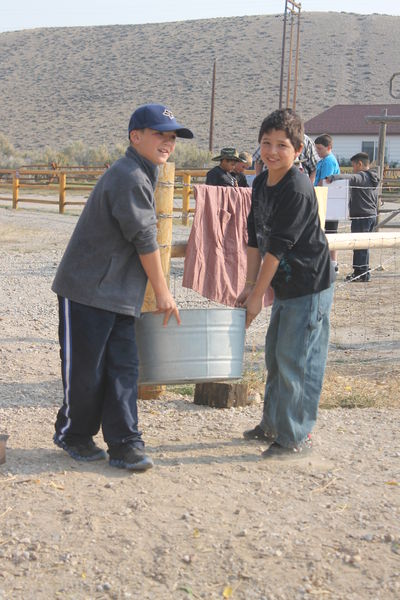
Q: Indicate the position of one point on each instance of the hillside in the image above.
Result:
(60, 85)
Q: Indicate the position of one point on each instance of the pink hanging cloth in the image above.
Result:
(216, 256)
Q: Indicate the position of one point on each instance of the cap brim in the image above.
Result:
(184, 133)
(181, 132)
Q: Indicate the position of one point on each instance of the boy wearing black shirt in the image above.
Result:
(288, 250)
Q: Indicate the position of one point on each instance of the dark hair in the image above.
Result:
(324, 140)
(361, 156)
(284, 120)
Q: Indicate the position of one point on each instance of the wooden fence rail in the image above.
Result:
(53, 182)
(60, 185)
(59, 182)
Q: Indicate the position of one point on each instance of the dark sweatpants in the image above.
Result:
(361, 257)
(99, 364)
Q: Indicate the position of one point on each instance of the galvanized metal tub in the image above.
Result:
(207, 346)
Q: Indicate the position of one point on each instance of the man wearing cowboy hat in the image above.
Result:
(221, 174)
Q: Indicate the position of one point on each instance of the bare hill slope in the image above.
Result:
(61, 85)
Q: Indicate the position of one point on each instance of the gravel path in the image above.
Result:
(211, 520)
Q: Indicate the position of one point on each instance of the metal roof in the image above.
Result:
(348, 119)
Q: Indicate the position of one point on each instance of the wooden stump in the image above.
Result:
(150, 392)
(221, 394)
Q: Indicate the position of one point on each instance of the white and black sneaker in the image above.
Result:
(84, 451)
(129, 457)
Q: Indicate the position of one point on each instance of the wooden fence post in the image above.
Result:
(186, 198)
(15, 190)
(61, 197)
(164, 201)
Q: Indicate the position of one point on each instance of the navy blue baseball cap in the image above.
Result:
(159, 118)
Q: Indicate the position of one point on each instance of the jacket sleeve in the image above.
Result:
(353, 178)
(212, 178)
(133, 209)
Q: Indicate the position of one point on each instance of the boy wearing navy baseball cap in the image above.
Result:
(100, 284)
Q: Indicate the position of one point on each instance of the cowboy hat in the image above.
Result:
(229, 154)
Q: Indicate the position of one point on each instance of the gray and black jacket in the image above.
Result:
(363, 192)
(101, 265)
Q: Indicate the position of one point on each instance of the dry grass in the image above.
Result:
(339, 391)
(354, 392)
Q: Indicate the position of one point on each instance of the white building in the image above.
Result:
(351, 133)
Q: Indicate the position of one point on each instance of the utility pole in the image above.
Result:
(283, 54)
(294, 9)
(210, 143)
(383, 121)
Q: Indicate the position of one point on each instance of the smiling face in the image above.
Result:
(278, 154)
(154, 145)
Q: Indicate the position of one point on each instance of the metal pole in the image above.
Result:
(383, 121)
(283, 56)
(210, 143)
(381, 162)
(289, 76)
(381, 145)
(296, 71)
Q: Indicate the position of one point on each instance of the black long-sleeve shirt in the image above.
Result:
(284, 221)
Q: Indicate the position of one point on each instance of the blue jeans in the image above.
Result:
(296, 348)
(361, 257)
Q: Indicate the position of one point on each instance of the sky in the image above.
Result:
(25, 14)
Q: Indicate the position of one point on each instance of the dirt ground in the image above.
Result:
(211, 520)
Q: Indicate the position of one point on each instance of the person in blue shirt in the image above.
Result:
(326, 167)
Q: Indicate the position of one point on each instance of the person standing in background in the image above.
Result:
(327, 166)
(222, 173)
(363, 208)
(241, 166)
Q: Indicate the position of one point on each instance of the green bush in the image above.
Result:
(78, 154)
(189, 156)
(9, 157)
(186, 155)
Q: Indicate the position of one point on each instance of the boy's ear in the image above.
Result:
(299, 151)
(134, 136)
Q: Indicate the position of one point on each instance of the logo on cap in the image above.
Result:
(168, 114)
